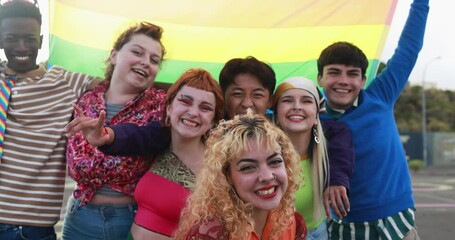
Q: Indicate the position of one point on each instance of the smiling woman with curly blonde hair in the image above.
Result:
(247, 185)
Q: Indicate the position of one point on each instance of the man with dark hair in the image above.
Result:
(246, 83)
(20, 25)
(382, 206)
(38, 105)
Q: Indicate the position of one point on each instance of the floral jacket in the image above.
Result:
(215, 230)
(89, 167)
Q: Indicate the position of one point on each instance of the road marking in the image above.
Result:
(435, 205)
(430, 187)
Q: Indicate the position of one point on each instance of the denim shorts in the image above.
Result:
(21, 232)
(106, 221)
(319, 233)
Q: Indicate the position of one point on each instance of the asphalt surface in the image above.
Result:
(434, 194)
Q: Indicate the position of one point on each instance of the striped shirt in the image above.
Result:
(32, 171)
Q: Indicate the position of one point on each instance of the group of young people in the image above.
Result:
(201, 160)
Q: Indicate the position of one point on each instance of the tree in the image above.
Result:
(439, 108)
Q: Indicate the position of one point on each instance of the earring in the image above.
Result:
(233, 191)
(315, 134)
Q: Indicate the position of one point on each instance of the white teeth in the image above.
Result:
(140, 72)
(341, 90)
(188, 123)
(265, 192)
(296, 117)
(22, 58)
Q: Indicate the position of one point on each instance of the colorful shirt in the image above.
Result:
(89, 167)
(160, 213)
(32, 172)
(215, 230)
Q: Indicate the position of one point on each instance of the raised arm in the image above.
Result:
(131, 139)
(122, 139)
(389, 84)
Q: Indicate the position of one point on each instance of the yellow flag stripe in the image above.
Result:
(184, 41)
(240, 13)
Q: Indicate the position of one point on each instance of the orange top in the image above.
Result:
(289, 234)
(214, 230)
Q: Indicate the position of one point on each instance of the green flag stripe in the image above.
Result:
(92, 61)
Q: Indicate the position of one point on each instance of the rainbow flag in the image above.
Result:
(288, 34)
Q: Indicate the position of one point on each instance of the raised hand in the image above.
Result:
(92, 129)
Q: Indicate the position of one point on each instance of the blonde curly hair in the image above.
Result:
(213, 197)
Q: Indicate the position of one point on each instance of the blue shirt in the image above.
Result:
(381, 183)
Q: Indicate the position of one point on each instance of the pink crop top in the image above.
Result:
(160, 202)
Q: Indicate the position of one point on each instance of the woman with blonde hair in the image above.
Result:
(246, 187)
(297, 103)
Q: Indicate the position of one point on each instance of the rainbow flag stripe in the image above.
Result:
(7, 84)
(202, 33)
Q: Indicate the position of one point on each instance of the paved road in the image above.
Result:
(434, 193)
